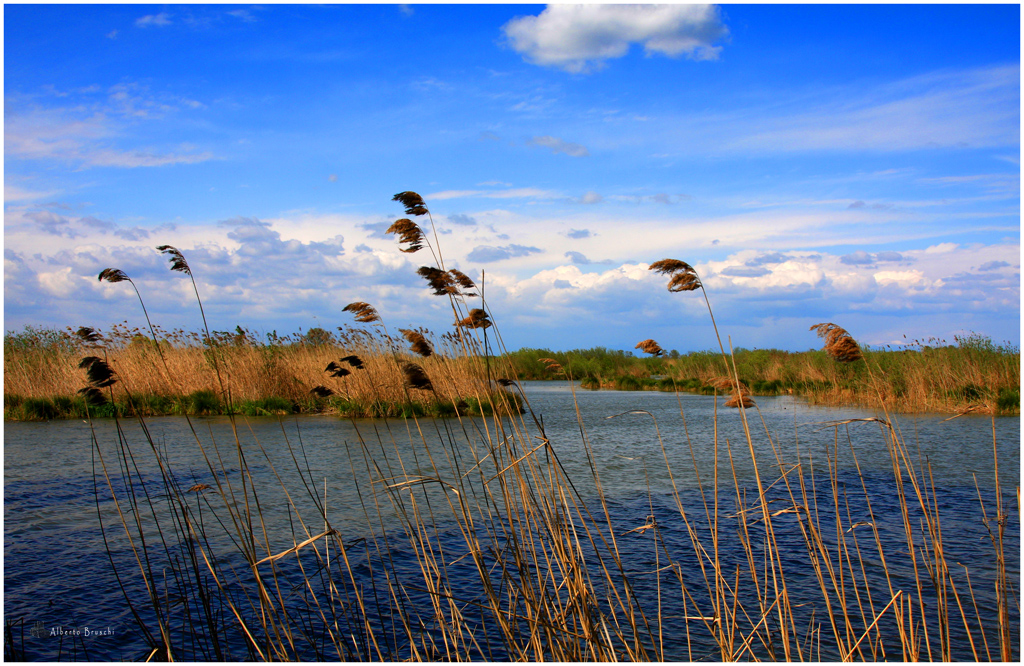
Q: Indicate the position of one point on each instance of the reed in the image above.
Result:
(475, 544)
(941, 377)
(42, 367)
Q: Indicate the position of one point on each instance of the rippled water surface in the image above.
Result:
(66, 603)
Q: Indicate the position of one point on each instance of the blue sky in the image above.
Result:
(854, 164)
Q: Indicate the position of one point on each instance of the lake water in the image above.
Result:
(66, 603)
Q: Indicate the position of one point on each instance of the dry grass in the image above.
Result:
(251, 369)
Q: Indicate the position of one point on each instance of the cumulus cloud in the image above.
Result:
(485, 254)
(580, 233)
(580, 38)
(858, 258)
(559, 146)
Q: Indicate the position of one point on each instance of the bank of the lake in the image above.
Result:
(249, 374)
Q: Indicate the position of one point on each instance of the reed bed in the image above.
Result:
(475, 544)
(261, 374)
(971, 373)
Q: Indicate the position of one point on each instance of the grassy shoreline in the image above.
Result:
(273, 375)
(972, 374)
(352, 373)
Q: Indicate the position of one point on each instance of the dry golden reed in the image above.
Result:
(419, 343)
(477, 319)
(650, 347)
(408, 232)
(683, 276)
(839, 344)
(364, 312)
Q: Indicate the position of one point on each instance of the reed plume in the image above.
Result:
(413, 203)
(683, 275)
(176, 258)
(98, 376)
(416, 378)
(440, 281)
(113, 275)
(462, 280)
(353, 360)
(444, 283)
(336, 370)
(477, 319)
(839, 344)
(89, 335)
(321, 391)
(650, 347)
(364, 312)
(552, 365)
(97, 372)
(93, 396)
(408, 232)
(419, 343)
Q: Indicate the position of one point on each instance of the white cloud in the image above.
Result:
(579, 38)
(941, 248)
(160, 20)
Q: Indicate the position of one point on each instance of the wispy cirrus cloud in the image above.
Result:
(98, 131)
(580, 38)
(975, 108)
(559, 146)
(517, 193)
